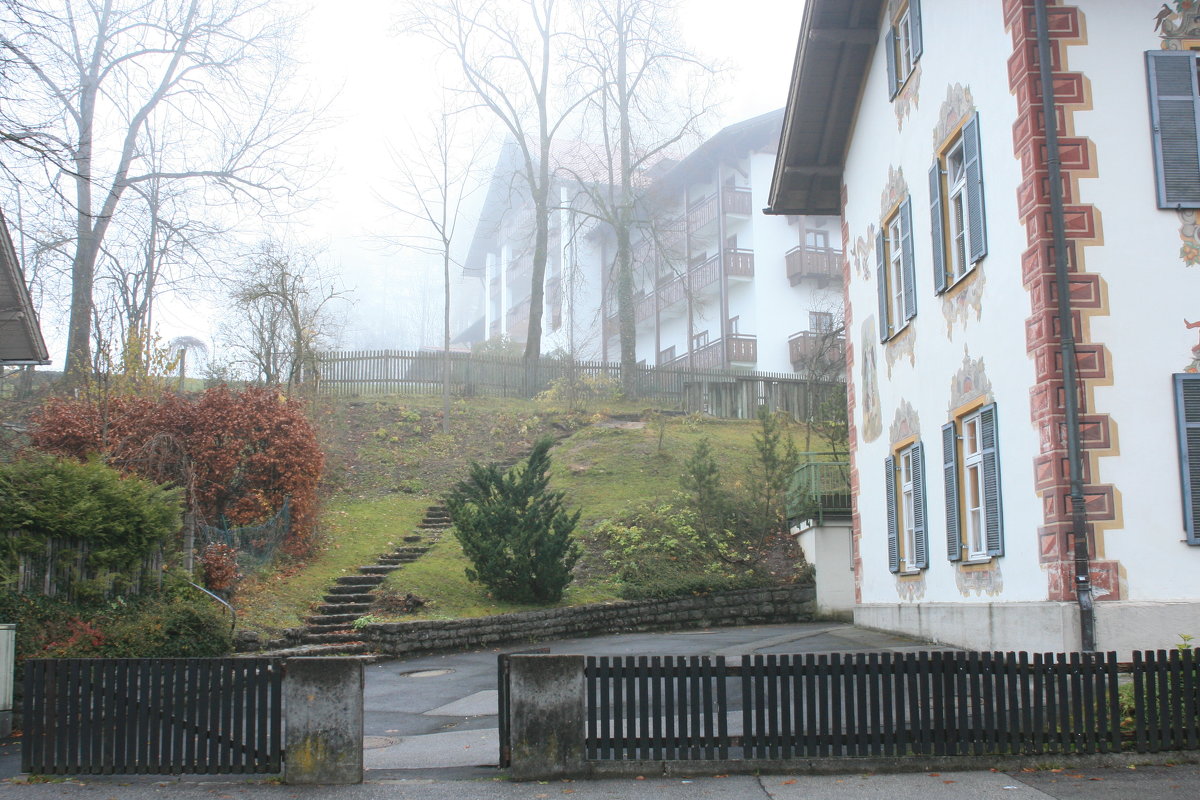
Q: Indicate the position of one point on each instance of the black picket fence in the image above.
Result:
(155, 716)
(885, 704)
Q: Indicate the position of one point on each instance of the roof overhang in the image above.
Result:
(837, 39)
(21, 341)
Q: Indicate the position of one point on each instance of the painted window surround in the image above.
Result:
(904, 45)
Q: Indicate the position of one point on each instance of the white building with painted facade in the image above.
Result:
(718, 284)
(721, 285)
(922, 124)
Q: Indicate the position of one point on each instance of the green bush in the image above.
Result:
(121, 518)
(174, 622)
(514, 529)
(663, 550)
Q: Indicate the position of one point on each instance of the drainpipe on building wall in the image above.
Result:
(1083, 581)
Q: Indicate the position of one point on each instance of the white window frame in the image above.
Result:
(895, 255)
(959, 210)
(974, 508)
(906, 519)
(903, 44)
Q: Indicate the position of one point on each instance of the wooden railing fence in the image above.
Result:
(725, 393)
(885, 704)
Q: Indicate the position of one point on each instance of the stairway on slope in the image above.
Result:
(330, 630)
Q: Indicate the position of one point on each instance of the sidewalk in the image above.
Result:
(1144, 783)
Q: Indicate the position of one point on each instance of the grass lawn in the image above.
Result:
(357, 530)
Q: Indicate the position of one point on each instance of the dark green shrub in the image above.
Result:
(514, 529)
(121, 518)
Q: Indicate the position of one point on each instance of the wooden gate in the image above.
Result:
(155, 716)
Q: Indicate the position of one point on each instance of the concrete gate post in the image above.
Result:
(323, 720)
(8, 653)
(547, 708)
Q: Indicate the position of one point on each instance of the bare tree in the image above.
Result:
(510, 56)
(284, 312)
(104, 72)
(632, 56)
(435, 181)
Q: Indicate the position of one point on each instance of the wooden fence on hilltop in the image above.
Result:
(723, 393)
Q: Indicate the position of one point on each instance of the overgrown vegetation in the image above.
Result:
(119, 519)
(175, 621)
(237, 454)
(515, 529)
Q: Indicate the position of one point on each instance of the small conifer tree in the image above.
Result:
(515, 530)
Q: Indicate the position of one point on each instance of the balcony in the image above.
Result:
(815, 350)
(819, 490)
(739, 263)
(703, 213)
(740, 350)
(822, 264)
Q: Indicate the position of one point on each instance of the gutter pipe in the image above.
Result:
(1083, 581)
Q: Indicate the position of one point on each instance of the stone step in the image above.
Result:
(414, 537)
(360, 580)
(433, 526)
(349, 637)
(341, 620)
(399, 561)
(309, 650)
(351, 588)
(343, 599)
(314, 629)
(378, 569)
(357, 609)
(408, 551)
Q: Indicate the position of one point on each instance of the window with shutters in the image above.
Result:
(908, 549)
(971, 463)
(895, 273)
(1174, 104)
(903, 44)
(1187, 412)
(956, 207)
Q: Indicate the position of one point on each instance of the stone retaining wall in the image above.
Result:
(742, 607)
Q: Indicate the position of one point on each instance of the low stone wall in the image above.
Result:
(742, 607)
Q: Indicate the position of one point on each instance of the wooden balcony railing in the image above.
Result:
(823, 264)
(814, 349)
(703, 212)
(739, 348)
(739, 263)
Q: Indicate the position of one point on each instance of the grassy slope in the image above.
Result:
(602, 470)
(357, 532)
(387, 460)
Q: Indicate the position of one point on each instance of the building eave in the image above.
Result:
(833, 55)
(21, 342)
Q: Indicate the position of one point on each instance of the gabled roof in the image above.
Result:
(729, 142)
(21, 339)
(837, 38)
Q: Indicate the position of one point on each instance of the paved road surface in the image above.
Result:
(431, 735)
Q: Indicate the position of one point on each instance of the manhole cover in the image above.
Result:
(425, 673)
(378, 742)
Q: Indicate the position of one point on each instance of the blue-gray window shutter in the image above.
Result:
(937, 227)
(1187, 413)
(1174, 129)
(972, 163)
(893, 532)
(889, 45)
(881, 280)
(906, 260)
(990, 457)
(950, 473)
(914, 27)
(920, 556)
